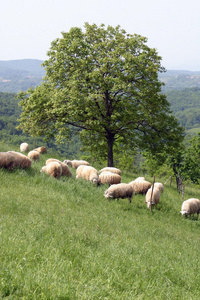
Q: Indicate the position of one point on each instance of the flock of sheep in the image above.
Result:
(108, 175)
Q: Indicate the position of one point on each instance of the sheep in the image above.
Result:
(7, 160)
(65, 169)
(87, 172)
(34, 155)
(41, 150)
(111, 169)
(160, 186)
(24, 147)
(109, 177)
(76, 163)
(140, 186)
(21, 160)
(155, 197)
(121, 190)
(190, 206)
(54, 169)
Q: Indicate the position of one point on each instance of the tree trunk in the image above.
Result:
(110, 141)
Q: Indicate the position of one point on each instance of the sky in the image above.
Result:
(171, 26)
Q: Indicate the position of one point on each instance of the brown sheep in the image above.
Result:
(111, 169)
(155, 196)
(121, 190)
(109, 177)
(34, 155)
(140, 186)
(7, 160)
(65, 169)
(76, 163)
(41, 150)
(87, 172)
(54, 169)
(21, 160)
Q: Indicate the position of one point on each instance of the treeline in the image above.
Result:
(10, 113)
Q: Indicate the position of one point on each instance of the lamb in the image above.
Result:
(21, 160)
(24, 147)
(65, 169)
(140, 186)
(34, 155)
(76, 163)
(190, 206)
(160, 186)
(87, 172)
(111, 169)
(54, 169)
(155, 196)
(41, 150)
(121, 190)
(7, 160)
(109, 177)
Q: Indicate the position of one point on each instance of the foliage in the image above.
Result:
(105, 83)
(61, 239)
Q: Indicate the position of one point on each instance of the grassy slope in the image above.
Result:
(61, 239)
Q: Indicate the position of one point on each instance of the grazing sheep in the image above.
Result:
(54, 169)
(7, 160)
(111, 169)
(109, 177)
(121, 190)
(160, 186)
(21, 160)
(41, 150)
(34, 155)
(140, 186)
(87, 172)
(24, 147)
(155, 196)
(76, 163)
(190, 206)
(65, 169)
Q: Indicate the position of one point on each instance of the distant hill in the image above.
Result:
(19, 75)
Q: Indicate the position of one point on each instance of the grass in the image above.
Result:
(61, 239)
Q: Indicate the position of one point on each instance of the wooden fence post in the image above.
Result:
(152, 193)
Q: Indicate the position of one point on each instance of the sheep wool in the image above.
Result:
(111, 169)
(121, 190)
(76, 163)
(53, 169)
(87, 172)
(65, 169)
(160, 186)
(109, 177)
(21, 160)
(7, 160)
(190, 207)
(24, 147)
(155, 196)
(34, 155)
(41, 149)
(140, 186)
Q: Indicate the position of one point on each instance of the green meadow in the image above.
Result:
(61, 239)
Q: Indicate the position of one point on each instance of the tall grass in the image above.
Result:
(61, 239)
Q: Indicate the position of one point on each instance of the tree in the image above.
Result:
(103, 82)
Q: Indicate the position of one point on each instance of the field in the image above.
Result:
(61, 239)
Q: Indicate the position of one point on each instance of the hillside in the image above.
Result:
(19, 75)
(61, 239)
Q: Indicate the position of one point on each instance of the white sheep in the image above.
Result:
(41, 149)
(34, 155)
(155, 196)
(54, 169)
(190, 206)
(160, 186)
(21, 160)
(7, 160)
(24, 147)
(140, 186)
(87, 172)
(65, 169)
(121, 190)
(76, 163)
(109, 177)
(111, 169)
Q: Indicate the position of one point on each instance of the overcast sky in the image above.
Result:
(172, 26)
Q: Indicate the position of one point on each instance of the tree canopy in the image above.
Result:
(104, 82)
